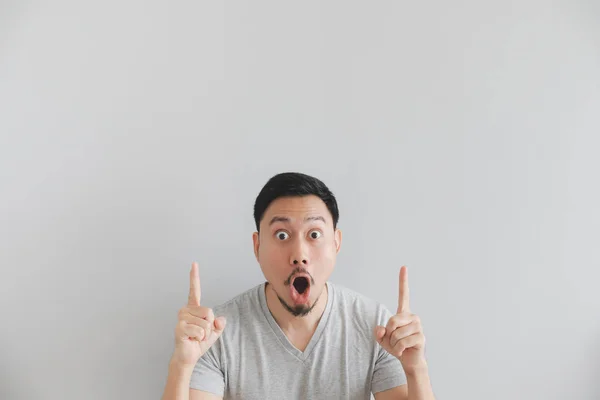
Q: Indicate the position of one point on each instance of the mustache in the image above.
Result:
(296, 271)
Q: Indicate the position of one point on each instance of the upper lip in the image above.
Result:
(299, 275)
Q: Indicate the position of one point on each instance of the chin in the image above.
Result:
(303, 308)
(299, 310)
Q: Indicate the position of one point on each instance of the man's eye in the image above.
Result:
(315, 234)
(282, 235)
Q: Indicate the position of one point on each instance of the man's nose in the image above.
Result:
(299, 256)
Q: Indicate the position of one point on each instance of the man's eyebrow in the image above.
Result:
(278, 219)
(314, 218)
(286, 219)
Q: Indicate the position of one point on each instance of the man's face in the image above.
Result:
(296, 249)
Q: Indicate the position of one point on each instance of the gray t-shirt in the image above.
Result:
(253, 359)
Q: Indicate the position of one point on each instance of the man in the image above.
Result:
(297, 336)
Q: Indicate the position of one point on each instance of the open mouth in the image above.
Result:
(300, 290)
(301, 284)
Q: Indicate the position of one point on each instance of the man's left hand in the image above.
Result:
(403, 335)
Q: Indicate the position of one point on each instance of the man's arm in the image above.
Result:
(178, 385)
(200, 395)
(404, 339)
(178, 382)
(196, 331)
(418, 387)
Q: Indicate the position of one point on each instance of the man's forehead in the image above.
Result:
(285, 219)
(297, 208)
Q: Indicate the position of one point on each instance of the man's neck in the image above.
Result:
(296, 325)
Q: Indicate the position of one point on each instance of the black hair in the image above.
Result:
(289, 184)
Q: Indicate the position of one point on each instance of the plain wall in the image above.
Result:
(460, 138)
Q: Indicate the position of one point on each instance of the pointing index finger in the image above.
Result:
(194, 296)
(403, 294)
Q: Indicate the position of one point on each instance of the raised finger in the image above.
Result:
(195, 293)
(403, 294)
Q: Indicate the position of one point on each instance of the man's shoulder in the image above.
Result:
(240, 302)
(357, 302)
(346, 293)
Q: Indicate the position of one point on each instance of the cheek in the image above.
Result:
(270, 253)
(324, 252)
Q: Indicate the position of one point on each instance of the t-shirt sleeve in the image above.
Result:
(208, 373)
(388, 372)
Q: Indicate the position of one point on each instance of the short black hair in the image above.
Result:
(289, 184)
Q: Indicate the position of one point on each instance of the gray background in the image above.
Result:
(461, 139)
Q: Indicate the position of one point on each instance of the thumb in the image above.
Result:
(215, 334)
(219, 324)
(379, 333)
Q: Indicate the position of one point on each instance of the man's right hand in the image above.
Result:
(197, 328)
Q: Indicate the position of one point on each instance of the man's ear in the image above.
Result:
(256, 242)
(338, 240)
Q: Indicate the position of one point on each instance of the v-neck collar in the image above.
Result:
(283, 339)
